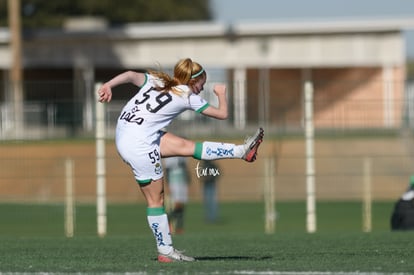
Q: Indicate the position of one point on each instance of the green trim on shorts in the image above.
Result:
(198, 150)
(144, 182)
(205, 106)
(155, 211)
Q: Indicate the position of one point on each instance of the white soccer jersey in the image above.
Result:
(139, 124)
(150, 111)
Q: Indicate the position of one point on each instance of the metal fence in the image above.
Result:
(70, 116)
(34, 171)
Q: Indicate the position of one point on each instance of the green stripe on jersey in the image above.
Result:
(202, 108)
(145, 82)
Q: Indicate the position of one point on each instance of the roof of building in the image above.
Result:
(212, 29)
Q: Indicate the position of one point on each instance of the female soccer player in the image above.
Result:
(142, 143)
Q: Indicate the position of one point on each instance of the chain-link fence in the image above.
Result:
(350, 129)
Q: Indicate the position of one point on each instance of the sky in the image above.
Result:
(292, 10)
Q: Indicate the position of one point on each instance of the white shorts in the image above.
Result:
(144, 159)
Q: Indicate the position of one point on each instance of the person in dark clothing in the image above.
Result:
(210, 178)
(403, 215)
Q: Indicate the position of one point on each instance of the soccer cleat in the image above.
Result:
(174, 256)
(252, 145)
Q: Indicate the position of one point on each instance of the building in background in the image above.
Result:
(357, 68)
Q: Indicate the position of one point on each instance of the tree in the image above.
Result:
(51, 14)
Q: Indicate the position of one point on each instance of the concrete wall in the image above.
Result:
(36, 172)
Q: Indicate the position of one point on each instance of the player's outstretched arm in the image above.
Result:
(105, 92)
(220, 112)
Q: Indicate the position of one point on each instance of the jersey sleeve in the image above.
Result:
(202, 108)
(197, 103)
(146, 80)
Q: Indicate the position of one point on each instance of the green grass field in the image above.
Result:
(32, 240)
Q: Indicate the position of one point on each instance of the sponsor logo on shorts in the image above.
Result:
(158, 168)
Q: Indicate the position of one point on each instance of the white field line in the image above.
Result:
(240, 272)
(252, 272)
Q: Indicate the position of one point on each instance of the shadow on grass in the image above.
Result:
(233, 258)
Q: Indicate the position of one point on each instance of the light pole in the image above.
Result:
(16, 73)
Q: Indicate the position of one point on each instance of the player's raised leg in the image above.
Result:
(172, 145)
